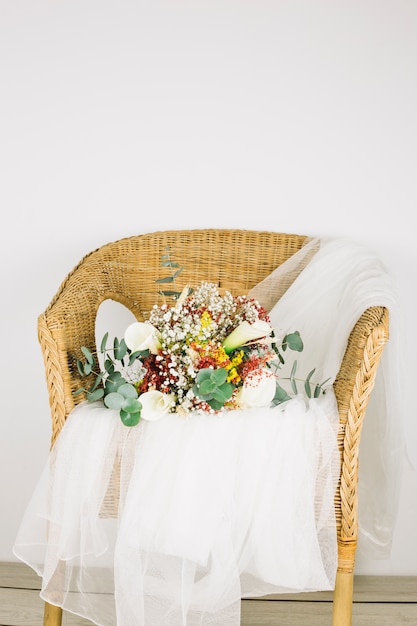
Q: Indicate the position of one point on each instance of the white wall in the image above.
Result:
(120, 117)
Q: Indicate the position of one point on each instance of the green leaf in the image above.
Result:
(204, 374)
(178, 272)
(211, 386)
(114, 400)
(294, 341)
(109, 366)
(278, 353)
(112, 384)
(217, 406)
(78, 391)
(92, 396)
(292, 377)
(173, 294)
(307, 385)
(223, 393)
(104, 342)
(167, 279)
(138, 355)
(88, 355)
(127, 390)
(206, 387)
(120, 350)
(80, 367)
(87, 369)
(97, 381)
(319, 388)
(219, 376)
(129, 419)
(132, 405)
(168, 263)
(280, 395)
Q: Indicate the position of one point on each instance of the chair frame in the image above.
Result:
(236, 260)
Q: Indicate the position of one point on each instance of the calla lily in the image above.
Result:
(142, 336)
(245, 333)
(155, 404)
(258, 390)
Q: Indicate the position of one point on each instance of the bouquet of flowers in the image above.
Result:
(205, 352)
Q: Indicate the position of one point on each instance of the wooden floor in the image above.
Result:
(378, 601)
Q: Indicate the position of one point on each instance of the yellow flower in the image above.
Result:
(206, 320)
(238, 358)
(233, 376)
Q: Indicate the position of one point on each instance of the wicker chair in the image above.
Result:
(125, 271)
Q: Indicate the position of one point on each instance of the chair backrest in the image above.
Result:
(126, 270)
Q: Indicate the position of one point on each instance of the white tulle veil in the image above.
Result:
(331, 283)
(203, 516)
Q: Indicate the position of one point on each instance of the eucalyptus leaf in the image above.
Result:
(121, 350)
(219, 376)
(204, 374)
(114, 400)
(104, 342)
(93, 396)
(97, 381)
(294, 341)
(87, 369)
(307, 386)
(109, 366)
(167, 279)
(206, 387)
(112, 384)
(280, 395)
(127, 390)
(138, 355)
(87, 354)
(131, 405)
(174, 294)
(223, 393)
(129, 419)
(178, 272)
(310, 374)
(215, 405)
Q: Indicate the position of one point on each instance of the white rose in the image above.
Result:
(142, 336)
(245, 333)
(155, 404)
(258, 389)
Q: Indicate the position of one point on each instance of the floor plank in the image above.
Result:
(378, 601)
(287, 613)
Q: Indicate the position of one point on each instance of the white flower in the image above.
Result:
(258, 389)
(155, 404)
(245, 333)
(142, 336)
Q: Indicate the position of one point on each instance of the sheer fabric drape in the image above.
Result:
(170, 523)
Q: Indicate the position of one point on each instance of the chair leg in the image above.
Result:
(52, 615)
(343, 599)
